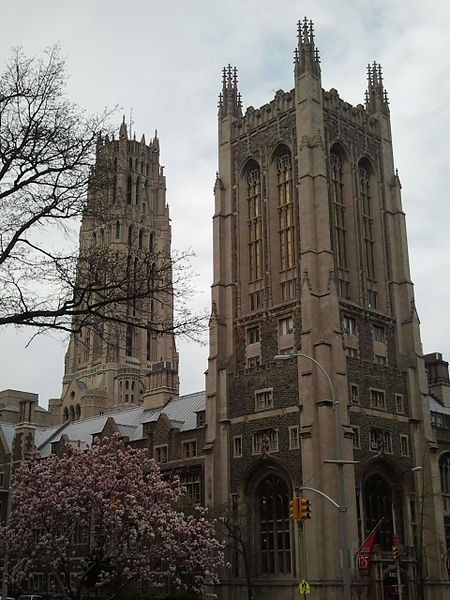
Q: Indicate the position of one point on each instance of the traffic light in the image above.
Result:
(305, 508)
(294, 508)
(394, 552)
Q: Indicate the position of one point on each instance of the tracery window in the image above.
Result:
(254, 223)
(337, 194)
(129, 341)
(444, 469)
(273, 525)
(129, 189)
(138, 190)
(367, 219)
(285, 210)
(377, 505)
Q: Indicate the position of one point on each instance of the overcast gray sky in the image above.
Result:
(164, 60)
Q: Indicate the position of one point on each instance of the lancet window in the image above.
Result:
(337, 194)
(444, 469)
(367, 219)
(274, 525)
(129, 185)
(378, 506)
(285, 210)
(254, 223)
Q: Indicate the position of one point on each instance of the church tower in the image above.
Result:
(316, 376)
(121, 361)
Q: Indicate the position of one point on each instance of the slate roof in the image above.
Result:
(181, 411)
(7, 434)
(438, 408)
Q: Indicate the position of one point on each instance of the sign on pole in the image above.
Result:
(303, 588)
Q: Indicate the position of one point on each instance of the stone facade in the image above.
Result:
(311, 257)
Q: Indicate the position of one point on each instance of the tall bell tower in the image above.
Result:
(313, 305)
(121, 361)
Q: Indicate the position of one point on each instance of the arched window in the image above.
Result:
(273, 525)
(117, 230)
(94, 239)
(129, 341)
(66, 413)
(141, 237)
(283, 162)
(72, 413)
(130, 235)
(77, 412)
(102, 238)
(338, 200)
(129, 185)
(86, 345)
(444, 469)
(149, 345)
(114, 190)
(151, 242)
(378, 505)
(254, 220)
(138, 190)
(365, 198)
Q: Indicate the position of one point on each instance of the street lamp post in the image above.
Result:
(340, 463)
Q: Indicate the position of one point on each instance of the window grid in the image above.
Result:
(285, 211)
(237, 446)
(380, 441)
(337, 191)
(356, 437)
(266, 439)
(379, 334)
(253, 335)
(377, 399)
(349, 325)
(399, 405)
(189, 449)
(254, 224)
(192, 482)
(286, 326)
(367, 219)
(404, 445)
(288, 289)
(294, 437)
(161, 454)
(264, 399)
(354, 393)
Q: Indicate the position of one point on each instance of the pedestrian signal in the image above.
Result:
(305, 508)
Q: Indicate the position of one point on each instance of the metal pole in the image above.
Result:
(397, 561)
(343, 531)
(5, 557)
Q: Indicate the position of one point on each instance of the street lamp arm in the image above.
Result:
(311, 489)
(280, 357)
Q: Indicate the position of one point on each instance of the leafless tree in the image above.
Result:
(49, 180)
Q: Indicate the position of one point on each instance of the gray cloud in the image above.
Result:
(164, 61)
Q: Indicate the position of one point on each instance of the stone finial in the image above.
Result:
(376, 97)
(230, 102)
(123, 135)
(306, 55)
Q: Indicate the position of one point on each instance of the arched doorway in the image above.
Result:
(273, 526)
(378, 500)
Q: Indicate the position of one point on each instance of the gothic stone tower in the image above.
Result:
(122, 365)
(311, 256)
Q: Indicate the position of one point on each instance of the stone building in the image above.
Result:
(311, 261)
(118, 365)
(315, 351)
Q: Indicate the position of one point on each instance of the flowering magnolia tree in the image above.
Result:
(101, 519)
